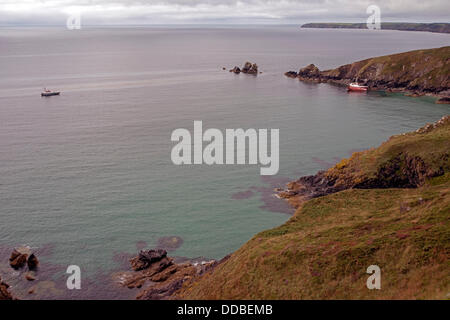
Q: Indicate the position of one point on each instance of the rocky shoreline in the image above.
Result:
(417, 73)
(401, 171)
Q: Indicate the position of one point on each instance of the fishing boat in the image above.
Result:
(48, 93)
(354, 86)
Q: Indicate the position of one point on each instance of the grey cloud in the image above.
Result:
(223, 11)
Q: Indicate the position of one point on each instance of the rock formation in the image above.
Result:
(21, 256)
(32, 262)
(248, 68)
(158, 275)
(146, 258)
(4, 291)
(236, 70)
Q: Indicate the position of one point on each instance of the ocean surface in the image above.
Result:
(86, 178)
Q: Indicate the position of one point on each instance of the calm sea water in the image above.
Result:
(87, 176)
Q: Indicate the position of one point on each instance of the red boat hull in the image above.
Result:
(357, 89)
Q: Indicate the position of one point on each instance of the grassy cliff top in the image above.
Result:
(323, 251)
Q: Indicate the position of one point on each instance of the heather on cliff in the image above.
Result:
(323, 251)
(419, 71)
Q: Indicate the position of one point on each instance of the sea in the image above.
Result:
(86, 178)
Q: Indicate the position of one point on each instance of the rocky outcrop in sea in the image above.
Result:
(249, 68)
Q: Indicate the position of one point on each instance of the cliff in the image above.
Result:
(401, 26)
(387, 206)
(420, 71)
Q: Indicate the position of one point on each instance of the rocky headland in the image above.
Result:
(419, 72)
(398, 168)
(401, 26)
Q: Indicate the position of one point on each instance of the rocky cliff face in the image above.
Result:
(420, 72)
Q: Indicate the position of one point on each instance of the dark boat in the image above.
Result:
(48, 93)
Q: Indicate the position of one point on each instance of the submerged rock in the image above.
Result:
(170, 243)
(30, 276)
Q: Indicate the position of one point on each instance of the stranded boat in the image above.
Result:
(356, 87)
(48, 93)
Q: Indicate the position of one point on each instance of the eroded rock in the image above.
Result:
(32, 262)
(18, 259)
(157, 275)
(4, 291)
(236, 70)
(146, 258)
(250, 68)
(22, 256)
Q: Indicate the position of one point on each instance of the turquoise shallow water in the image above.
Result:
(87, 175)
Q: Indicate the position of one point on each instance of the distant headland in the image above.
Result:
(401, 26)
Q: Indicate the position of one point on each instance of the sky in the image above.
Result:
(130, 12)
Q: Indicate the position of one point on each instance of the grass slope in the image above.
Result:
(323, 251)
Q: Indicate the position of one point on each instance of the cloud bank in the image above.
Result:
(119, 12)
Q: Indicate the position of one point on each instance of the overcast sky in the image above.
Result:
(110, 12)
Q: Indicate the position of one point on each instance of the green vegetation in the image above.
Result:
(323, 251)
(403, 26)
